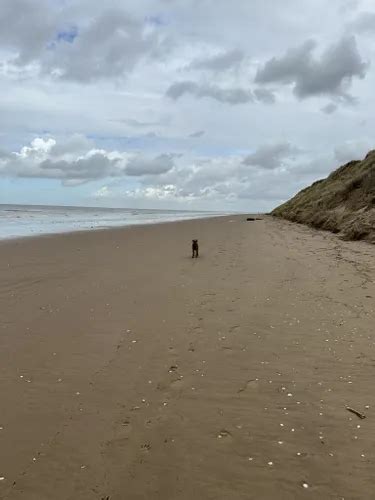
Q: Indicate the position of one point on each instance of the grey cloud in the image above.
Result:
(4, 155)
(75, 144)
(348, 6)
(46, 159)
(225, 95)
(221, 62)
(365, 23)
(288, 68)
(271, 156)
(72, 172)
(178, 89)
(96, 166)
(196, 135)
(331, 74)
(140, 166)
(139, 124)
(352, 150)
(26, 27)
(109, 46)
(330, 108)
(320, 165)
(264, 95)
(105, 43)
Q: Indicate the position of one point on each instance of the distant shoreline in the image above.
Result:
(24, 221)
(108, 229)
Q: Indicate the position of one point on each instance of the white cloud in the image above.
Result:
(74, 163)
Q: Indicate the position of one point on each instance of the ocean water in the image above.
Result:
(32, 220)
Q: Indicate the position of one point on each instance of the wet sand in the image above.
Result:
(130, 371)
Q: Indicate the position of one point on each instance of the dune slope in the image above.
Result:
(343, 203)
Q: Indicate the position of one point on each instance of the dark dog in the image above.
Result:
(195, 249)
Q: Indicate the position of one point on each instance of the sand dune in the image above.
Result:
(343, 203)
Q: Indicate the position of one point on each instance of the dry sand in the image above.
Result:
(130, 371)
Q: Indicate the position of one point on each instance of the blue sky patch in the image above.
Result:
(156, 20)
(68, 35)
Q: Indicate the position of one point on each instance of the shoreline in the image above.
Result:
(129, 369)
(16, 239)
(30, 221)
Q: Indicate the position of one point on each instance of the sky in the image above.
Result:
(181, 104)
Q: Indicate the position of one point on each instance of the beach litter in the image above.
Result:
(359, 414)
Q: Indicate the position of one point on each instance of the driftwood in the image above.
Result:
(359, 414)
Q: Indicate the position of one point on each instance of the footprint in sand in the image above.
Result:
(233, 328)
(224, 434)
(174, 380)
(114, 448)
(250, 384)
(177, 383)
(125, 429)
(227, 348)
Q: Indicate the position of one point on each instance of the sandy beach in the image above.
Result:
(130, 371)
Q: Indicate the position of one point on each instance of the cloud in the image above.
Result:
(139, 166)
(37, 162)
(103, 192)
(109, 46)
(330, 108)
(352, 150)
(264, 95)
(331, 74)
(231, 96)
(4, 155)
(105, 44)
(76, 161)
(75, 144)
(272, 156)
(197, 135)
(26, 27)
(95, 166)
(138, 123)
(364, 24)
(348, 6)
(318, 166)
(231, 59)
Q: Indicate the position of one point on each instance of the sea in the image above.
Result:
(18, 221)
